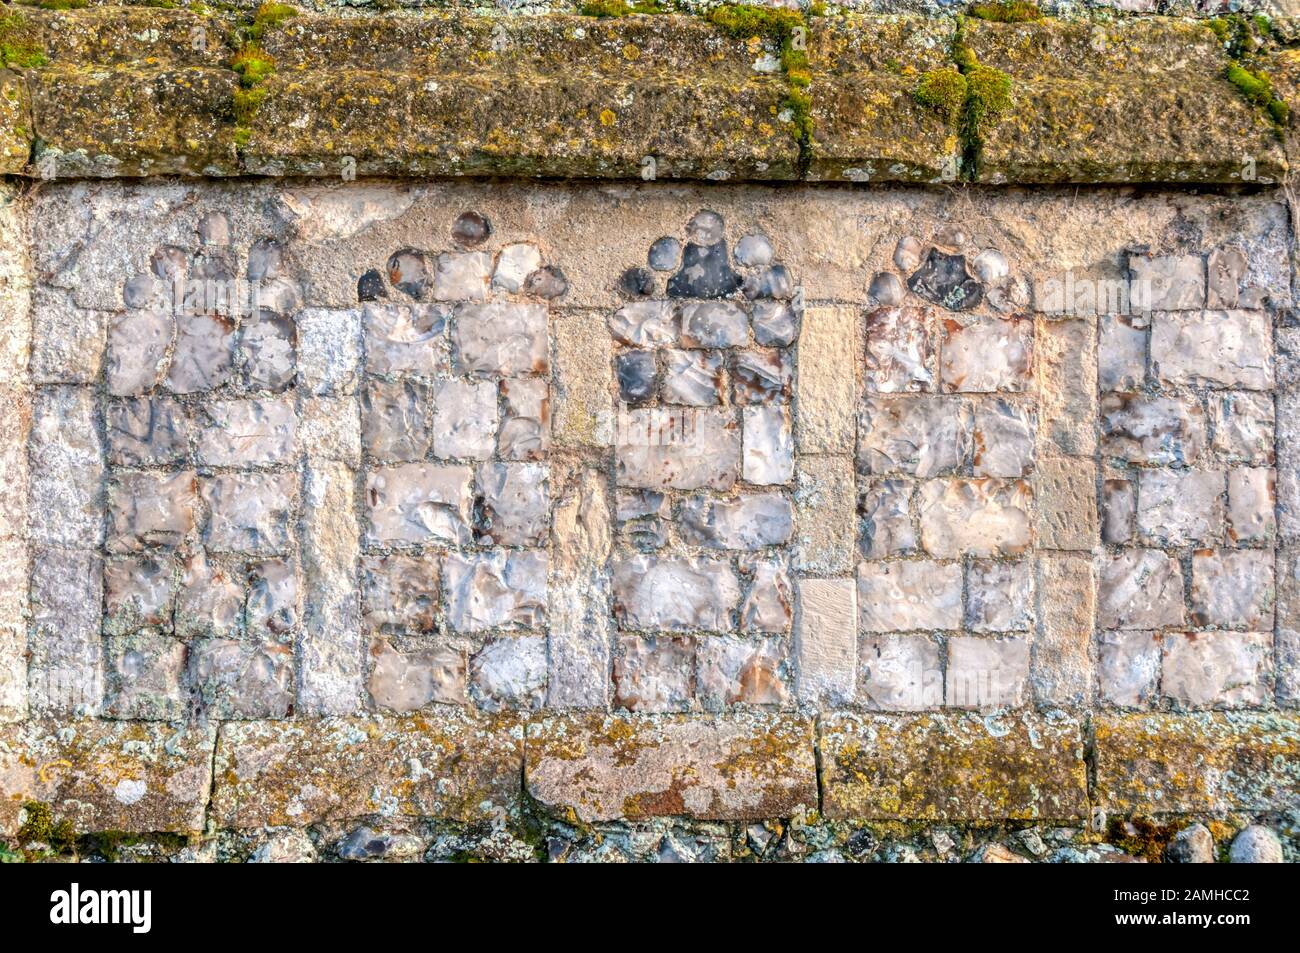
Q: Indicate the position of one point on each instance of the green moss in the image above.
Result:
(15, 52)
(246, 103)
(1258, 89)
(1006, 11)
(268, 15)
(252, 64)
(109, 844)
(63, 4)
(944, 90)
(40, 827)
(988, 95)
(620, 8)
(742, 21)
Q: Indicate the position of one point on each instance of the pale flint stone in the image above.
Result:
(1169, 282)
(247, 433)
(150, 509)
(268, 344)
(1221, 669)
(249, 512)
(137, 351)
(909, 595)
(738, 671)
(654, 674)
(143, 677)
(210, 600)
(405, 339)
(976, 517)
(509, 672)
(769, 604)
(1003, 438)
(986, 673)
(747, 522)
(675, 593)
(1180, 507)
(513, 500)
(693, 378)
(418, 502)
(397, 420)
(400, 592)
(146, 431)
(917, 436)
(1140, 589)
(1252, 504)
(465, 420)
(462, 276)
(409, 680)
(525, 432)
(645, 324)
(1233, 588)
(237, 679)
(138, 591)
(1122, 352)
(1243, 426)
(329, 350)
(1119, 511)
(1213, 348)
(900, 673)
(685, 449)
(1128, 668)
(886, 519)
(714, 324)
(204, 355)
(494, 590)
(987, 355)
(1000, 596)
(501, 338)
(515, 263)
(1157, 430)
(900, 350)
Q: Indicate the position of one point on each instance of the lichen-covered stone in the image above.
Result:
(446, 764)
(107, 775)
(1201, 762)
(1011, 766)
(724, 767)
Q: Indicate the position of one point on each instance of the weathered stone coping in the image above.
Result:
(130, 91)
(143, 777)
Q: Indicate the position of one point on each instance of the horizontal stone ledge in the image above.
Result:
(136, 777)
(449, 764)
(733, 767)
(132, 91)
(1197, 762)
(953, 767)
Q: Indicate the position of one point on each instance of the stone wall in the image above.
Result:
(508, 518)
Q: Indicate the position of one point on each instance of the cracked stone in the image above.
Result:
(919, 436)
(400, 592)
(693, 378)
(240, 680)
(900, 350)
(747, 522)
(494, 590)
(1139, 589)
(1155, 430)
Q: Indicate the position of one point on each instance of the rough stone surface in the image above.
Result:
(721, 767)
(1011, 766)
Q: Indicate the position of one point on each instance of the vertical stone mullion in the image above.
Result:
(15, 423)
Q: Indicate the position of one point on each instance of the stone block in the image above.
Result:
(825, 640)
